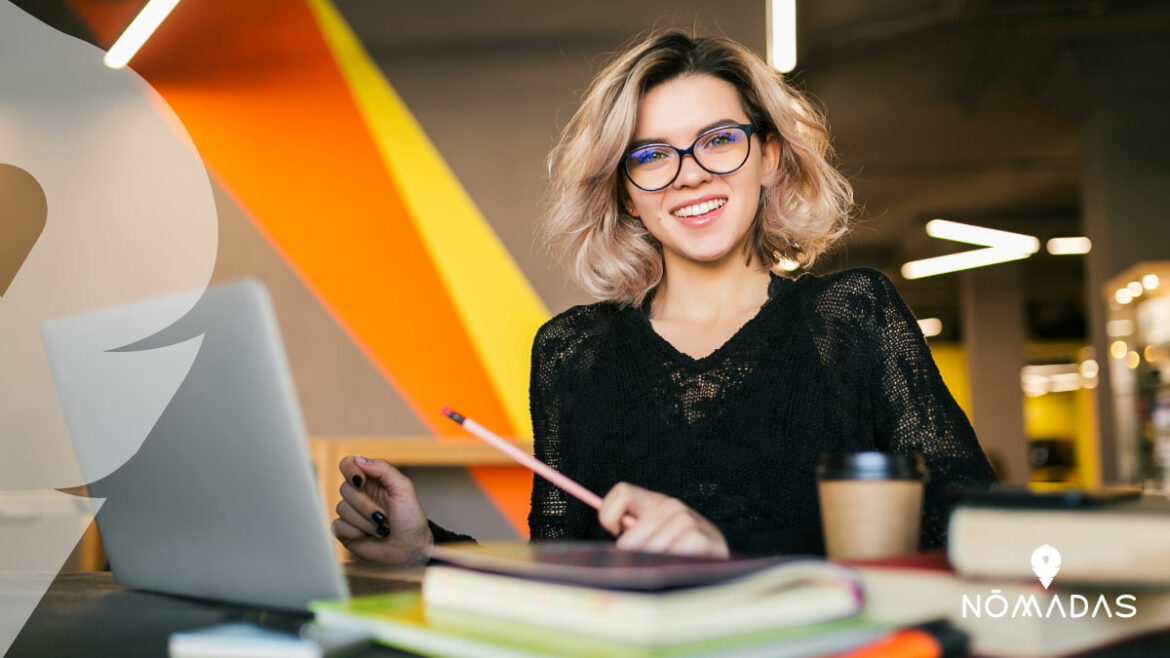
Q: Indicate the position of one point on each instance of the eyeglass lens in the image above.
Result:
(720, 151)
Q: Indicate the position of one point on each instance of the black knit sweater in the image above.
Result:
(828, 364)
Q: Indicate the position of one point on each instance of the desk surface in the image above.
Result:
(88, 614)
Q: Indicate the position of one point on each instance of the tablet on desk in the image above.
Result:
(220, 501)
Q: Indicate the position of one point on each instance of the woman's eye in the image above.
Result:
(647, 156)
(721, 139)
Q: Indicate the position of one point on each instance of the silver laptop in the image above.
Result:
(219, 500)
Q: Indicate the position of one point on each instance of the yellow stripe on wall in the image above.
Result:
(498, 307)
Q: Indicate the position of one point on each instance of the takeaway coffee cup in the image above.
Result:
(871, 503)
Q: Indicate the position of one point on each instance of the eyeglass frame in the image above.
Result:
(747, 128)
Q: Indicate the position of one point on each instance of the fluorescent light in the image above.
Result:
(1057, 377)
(1150, 281)
(930, 326)
(1064, 383)
(1114, 328)
(781, 25)
(1050, 370)
(1069, 246)
(986, 237)
(917, 269)
(139, 30)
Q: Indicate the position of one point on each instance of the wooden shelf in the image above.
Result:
(419, 451)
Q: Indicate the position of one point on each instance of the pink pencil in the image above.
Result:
(533, 464)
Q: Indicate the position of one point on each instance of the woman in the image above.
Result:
(701, 391)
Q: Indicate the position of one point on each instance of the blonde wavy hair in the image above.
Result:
(803, 209)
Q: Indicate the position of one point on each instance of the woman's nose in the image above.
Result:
(691, 174)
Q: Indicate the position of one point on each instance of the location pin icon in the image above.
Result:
(1045, 564)
(23, 211)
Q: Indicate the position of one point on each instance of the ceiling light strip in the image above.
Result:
(1069, 246)
(139, 30)
(965, 260)
(986, 237)
(781, 27)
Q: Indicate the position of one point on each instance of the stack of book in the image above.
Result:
(1038, 575)
(589, 599)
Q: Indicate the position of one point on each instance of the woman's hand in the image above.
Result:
(665, 524)
(380, 517)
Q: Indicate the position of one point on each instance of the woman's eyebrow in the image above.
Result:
(662, 140)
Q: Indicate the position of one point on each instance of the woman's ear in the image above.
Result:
(627, 204)
(771, 156)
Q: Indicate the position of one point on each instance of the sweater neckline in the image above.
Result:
(642, 318)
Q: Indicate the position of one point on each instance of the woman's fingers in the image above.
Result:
(664, 524)
(356, 519)
(350, 470)
(362, 504)
(695, 543)
(613, 506)
(381, 471)
(622, 499)
(653, 519)
(673, 529)
(380, 517)
(345, 531)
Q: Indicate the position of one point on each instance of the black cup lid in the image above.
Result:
(872, 465)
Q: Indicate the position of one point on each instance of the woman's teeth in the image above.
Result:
(699, 208)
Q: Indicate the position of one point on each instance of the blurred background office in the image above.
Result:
(380, 166)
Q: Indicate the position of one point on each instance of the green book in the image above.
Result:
(398, 620)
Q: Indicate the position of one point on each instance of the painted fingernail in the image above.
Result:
(357, 480)
(361, 460)
(383, 531)
(378, 517)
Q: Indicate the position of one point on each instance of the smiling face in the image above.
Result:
(700, 218)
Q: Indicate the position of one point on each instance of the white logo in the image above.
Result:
(1045, 564)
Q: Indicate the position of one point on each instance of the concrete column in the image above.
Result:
(994, 337)
(1125, 174)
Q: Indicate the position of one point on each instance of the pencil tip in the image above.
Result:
(450, 413)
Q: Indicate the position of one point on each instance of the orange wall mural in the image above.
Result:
(303, 130)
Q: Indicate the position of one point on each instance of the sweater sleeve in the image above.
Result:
(444, 536)
(546, 520)
(915, 412)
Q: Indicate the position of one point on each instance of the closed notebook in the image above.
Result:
(1110, 544)
(597, 564)
(398, 620)
(666, 600)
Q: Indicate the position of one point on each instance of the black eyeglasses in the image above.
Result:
(719, 151)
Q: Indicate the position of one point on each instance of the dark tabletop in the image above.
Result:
(88, 614)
